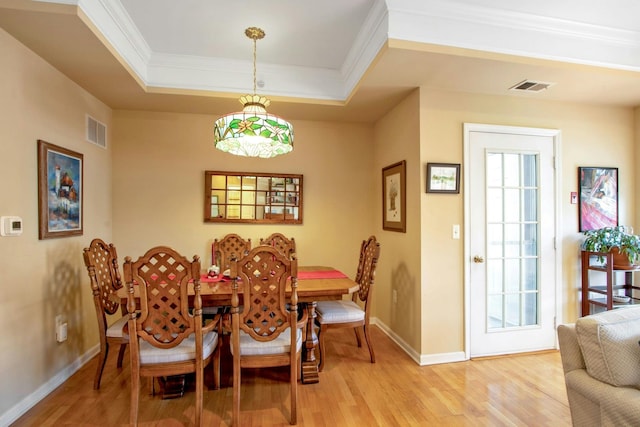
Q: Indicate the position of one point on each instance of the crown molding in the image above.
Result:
(456, 24)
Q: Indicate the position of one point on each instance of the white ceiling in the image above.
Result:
(335, 59)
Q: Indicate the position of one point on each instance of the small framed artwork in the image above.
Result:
(598, 206)
(394, 199)
(443, 178)
(60, 199)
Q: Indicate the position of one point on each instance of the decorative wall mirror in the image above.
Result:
(252, 197)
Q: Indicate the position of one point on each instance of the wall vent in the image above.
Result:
(530, 86)
(96, 132)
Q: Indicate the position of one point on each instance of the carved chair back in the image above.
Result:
(231, 245)
(280, 242)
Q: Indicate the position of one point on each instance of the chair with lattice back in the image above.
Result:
(282, 243)
(266, 331)
(101, 260)
(349, 313)
(231, 245)
(168, 337)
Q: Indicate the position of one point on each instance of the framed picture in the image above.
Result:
(60, 198)
(598, 205)
(443, 178)
(394, 200)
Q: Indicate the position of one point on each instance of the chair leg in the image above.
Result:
(358, 338)
(102, 359)
(216, 365)
(367, 336)
(294, 390)
(199, 393)
(235, 411)
(135, 398)
(123, 347)
(321, 331)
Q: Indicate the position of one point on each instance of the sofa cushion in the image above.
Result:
(609, 344)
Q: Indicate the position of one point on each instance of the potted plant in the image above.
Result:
(619, 240)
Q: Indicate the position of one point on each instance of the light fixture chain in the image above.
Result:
(254, 67)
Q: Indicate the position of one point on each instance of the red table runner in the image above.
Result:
(313, 274)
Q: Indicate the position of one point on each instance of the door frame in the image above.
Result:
(517, 130)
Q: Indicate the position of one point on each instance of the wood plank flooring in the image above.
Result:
(520, 390)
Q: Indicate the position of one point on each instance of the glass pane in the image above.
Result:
(511, 170)
(512, 275)
(530, 274)
(218, 182)
(530, 243)
(511, 205)
(494, 205)
(494, 276)
(494, 169)
(494, 311)
(530, 211)
(263, 183)
(494, 241)
(512, 310)
(512, 240)
(530, 315)
(248, 197)
(530, 170)
(233, 197)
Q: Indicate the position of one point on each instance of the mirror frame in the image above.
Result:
(278, 200)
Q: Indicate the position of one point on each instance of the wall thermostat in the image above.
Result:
(10, 226)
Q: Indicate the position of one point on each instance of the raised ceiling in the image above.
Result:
(336, 59)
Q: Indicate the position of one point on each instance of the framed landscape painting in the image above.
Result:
(598, 206)
(60, 199)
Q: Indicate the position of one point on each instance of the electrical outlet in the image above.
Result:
(61, 329)
(395, 296)
(455, 232)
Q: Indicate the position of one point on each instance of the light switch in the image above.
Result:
(455, 234)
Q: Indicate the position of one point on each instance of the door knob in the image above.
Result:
(478, 259)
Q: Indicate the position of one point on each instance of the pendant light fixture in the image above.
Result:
(253, 132)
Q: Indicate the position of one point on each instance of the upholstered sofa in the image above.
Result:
(601, 362)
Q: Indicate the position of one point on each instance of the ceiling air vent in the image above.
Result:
(96, 132)
(530, 86)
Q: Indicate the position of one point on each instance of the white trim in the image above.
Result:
(450, 23)
(420, 359)
(56, 381)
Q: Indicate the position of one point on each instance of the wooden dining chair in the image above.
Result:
(280, 242)
(266, 331)
(167, 336)
(231, 245)
(101, 260)
(349, 313)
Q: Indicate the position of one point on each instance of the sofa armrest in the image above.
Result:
(594, 403)
(569, 348)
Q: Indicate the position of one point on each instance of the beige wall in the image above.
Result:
(158, 186)
(44, 278)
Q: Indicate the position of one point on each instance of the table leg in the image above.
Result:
(309, 362)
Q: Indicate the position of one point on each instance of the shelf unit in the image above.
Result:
(599, 283)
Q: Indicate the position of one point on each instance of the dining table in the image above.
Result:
(315, 283)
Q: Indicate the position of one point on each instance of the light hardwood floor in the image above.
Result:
(521, 390)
